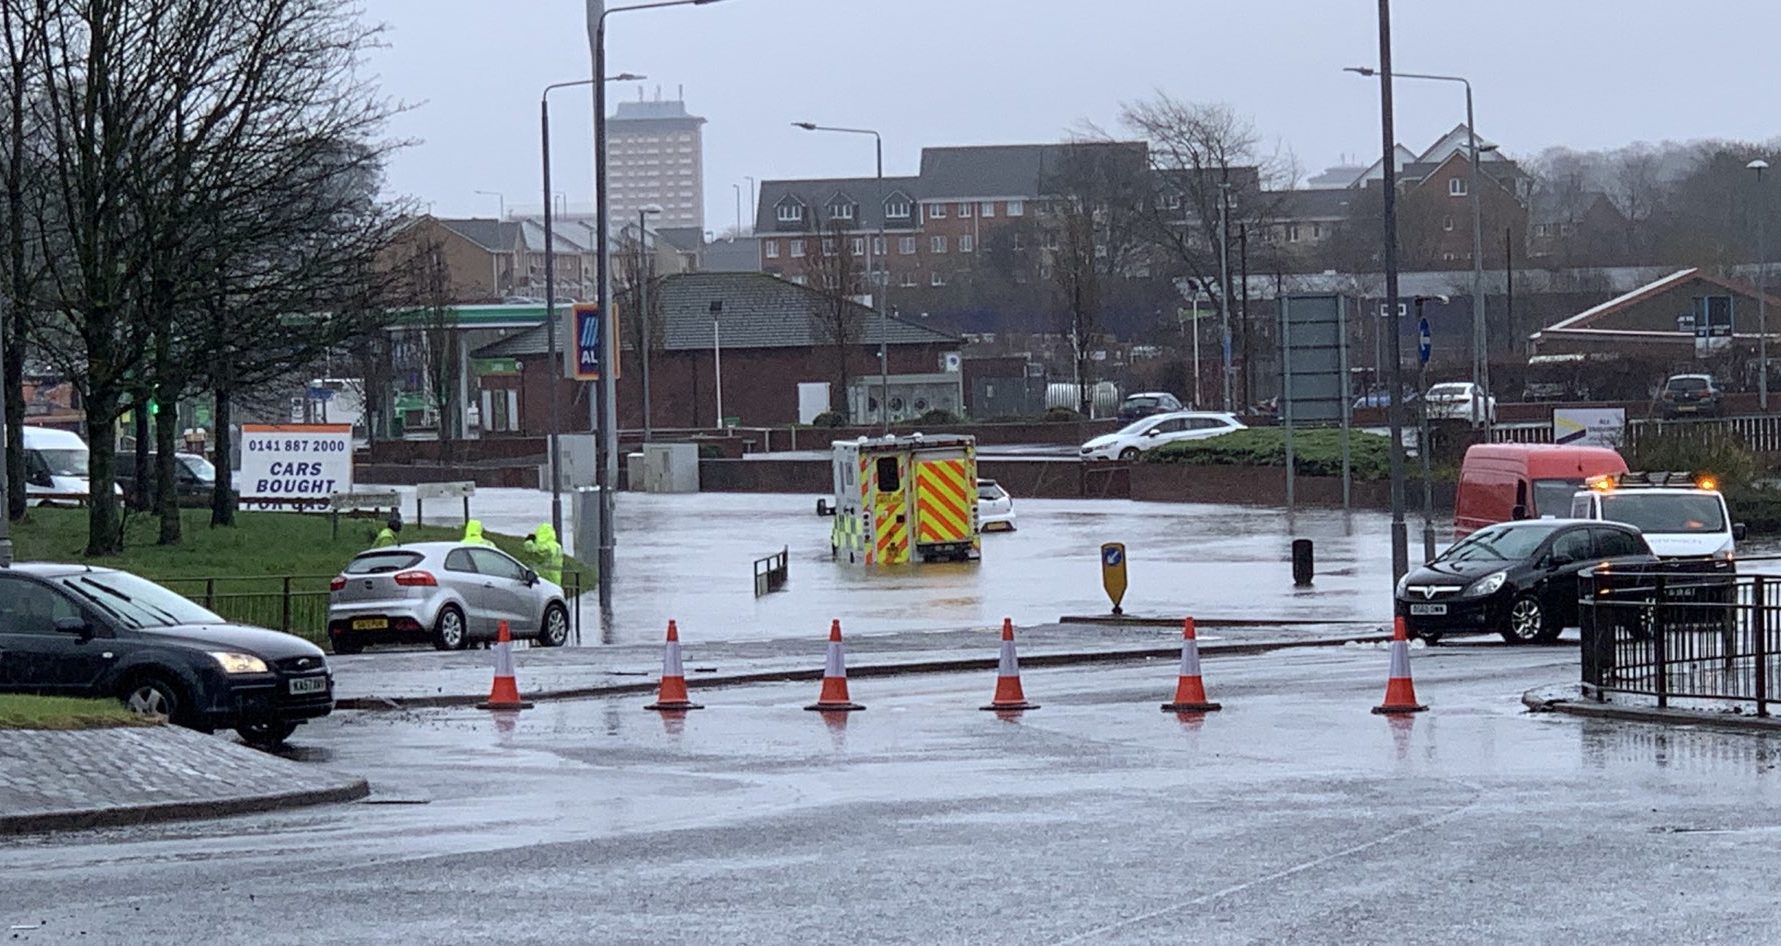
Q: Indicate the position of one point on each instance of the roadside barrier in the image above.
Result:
(672, 694)
(504, 694)
(1190, 690)
(1009, 697)
(1400, 692)
(834, 696)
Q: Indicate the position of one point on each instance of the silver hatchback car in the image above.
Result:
(445, 593)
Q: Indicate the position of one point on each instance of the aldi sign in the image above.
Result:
(592, 332)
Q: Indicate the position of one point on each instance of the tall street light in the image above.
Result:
(643, 260)
(1400, 543)
(1762, 285)
(883, 285)
(1480, 356)
(606, 405)
(550, 294)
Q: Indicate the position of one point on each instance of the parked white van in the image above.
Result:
(1680, 516)
(55, 467)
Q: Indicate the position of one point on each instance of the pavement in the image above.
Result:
(1292, 816)
(1727, 714)
(690, 558)
(58, 781)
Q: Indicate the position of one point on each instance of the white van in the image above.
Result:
(55, 467)
(1679, 516)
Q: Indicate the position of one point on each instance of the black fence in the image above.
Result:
(297, 604)
(772, 572)
(1682, 631)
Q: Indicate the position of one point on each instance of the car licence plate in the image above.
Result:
(303, 685)
(370, 624)
(1429, 610)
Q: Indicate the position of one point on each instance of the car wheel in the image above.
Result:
(266, 735)
(1129, 454)
(344, 646)
(449, 632)
(1525, 622)
(555, 632)
(154, 698)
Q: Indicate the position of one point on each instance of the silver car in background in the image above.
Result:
(445, 593)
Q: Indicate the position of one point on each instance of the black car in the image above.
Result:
(72, 630)
(1147, 404)
(194, 479)
(1516, 578)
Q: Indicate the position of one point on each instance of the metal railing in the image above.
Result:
(1759, 433)
(1682, 630)
(772, 572)
(296, 604)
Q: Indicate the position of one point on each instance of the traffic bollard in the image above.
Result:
(1303, 564)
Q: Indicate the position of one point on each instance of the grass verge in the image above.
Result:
(56, 712)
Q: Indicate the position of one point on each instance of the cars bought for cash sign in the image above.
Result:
(293, 466)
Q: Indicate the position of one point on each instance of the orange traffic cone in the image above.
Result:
(1008, 692)
(672, 695)
(504, 695)
(1400, 692)
(834, 677)
(1190, 690)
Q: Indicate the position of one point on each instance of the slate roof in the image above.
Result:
(863, 192)
(759, 311)
(1315, 203)
(488, 233)
(986, 171)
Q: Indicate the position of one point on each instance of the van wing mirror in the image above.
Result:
(1739, 531)
(1518, 512)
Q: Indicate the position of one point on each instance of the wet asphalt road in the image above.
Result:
(690, 558)
(1292, 816)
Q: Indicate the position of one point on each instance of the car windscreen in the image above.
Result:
(1139, 426)
(1688, 384)
(1666, 512)
(1142, 401)
(70, 462)
(1507, 543)
(380, 563)
(137, 602)
(202, 469)
(989, 491)
(1448, 390)
(1553, 497)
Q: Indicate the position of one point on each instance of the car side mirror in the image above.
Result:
(1518, 512)
(40, 478)
(1739, 531)
(531, 578)
(78, 627)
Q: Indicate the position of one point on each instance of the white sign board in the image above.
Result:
(294, 466)
(463, 490)
(1589, 426)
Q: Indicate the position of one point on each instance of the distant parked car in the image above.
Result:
(995, 508)
(1381, 397)
(1691, 395)
(1148, 404)
(444, 593)
(74, 630)
(1152, 432)
(194, 478)
(1518, 579)
(1460, 400)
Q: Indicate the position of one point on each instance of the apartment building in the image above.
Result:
(656, 154)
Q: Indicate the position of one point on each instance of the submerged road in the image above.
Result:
(1294, 815)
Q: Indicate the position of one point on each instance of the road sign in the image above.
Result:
(1424, 344)
(1113, 573)
(592, 331)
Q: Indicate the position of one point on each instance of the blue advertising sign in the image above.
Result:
(591, 332)
(1424, 344)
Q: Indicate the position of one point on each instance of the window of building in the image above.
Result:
(1015, 209)
(987, 209)
(936, 211)
(797, 248)
(772, 249)
(908, 279)
(878, 246)
(937, 244)
(1317, 231)
(1020, 242)
(1448, 257)
(1100, 251)
(1542, 229)
(858, 246)
(1292, 233)
(966, 243)
(801, 279)
(1051, 239)
(896, 208)
(828, 246)
(1447, 222)
(964, 210)
(841, 210)
(1456, 187)
(791, 213)
(1564, 229)
(906, 246)
(937, 279)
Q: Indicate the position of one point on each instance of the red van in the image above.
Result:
(1503, 481)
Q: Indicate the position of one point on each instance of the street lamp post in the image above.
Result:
(643, 260)
(880, 280)
(605, 407)
(1480, 347)
(1400, 544)
(550, 295)
(1762, 285)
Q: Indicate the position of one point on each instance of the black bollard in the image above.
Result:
(1303, 565)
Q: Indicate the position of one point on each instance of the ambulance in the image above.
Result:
(901, 499)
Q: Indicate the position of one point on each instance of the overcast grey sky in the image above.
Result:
(1582, 73)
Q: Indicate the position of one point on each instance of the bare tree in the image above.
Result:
(425, 291)
(838, 274)
(18, 263)
(636, 267)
